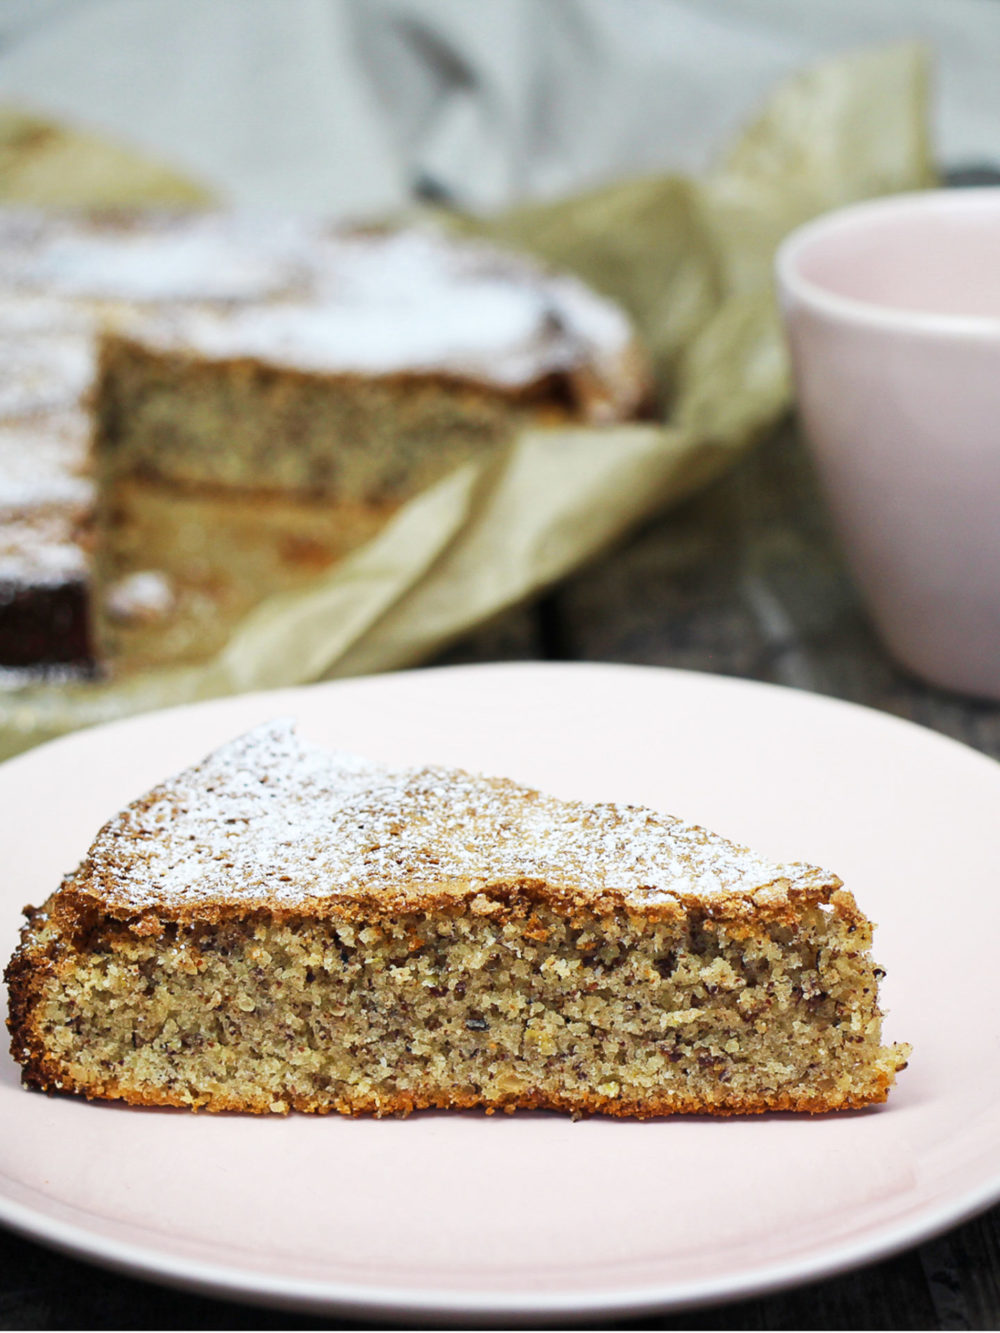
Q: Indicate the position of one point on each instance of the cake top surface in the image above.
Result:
(297, 293)
(268, 821)
(44, 462)
(43, 372)
(45, 497)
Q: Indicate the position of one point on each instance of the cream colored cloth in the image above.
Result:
(346, 106)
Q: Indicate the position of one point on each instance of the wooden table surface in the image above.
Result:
(744, 580)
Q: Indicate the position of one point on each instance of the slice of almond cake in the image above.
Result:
(281, 927)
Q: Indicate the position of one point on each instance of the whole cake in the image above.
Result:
(265, 392)
(281, 927)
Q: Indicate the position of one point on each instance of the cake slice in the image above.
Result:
(281, 927)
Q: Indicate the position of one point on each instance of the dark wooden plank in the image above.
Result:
(963, 1269)
(513, 636)
(893, 1294)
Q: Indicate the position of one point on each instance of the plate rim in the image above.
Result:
(228, 1282)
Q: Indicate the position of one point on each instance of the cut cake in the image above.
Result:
(281, 927)
(267, 391)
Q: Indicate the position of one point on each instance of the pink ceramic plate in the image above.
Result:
(532, 1214)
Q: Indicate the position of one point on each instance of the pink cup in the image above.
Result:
(892, 310)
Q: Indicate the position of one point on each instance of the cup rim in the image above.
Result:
(876, 314)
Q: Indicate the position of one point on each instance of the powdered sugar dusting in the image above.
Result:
(292, 292)
(44, 463)
(44, 372)
(203, 262)
(379, 303)
(491, 332)
(268, 819)
(45, 502)
(39, 550)
(143, 597)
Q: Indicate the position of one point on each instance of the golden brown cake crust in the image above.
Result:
(267, 818)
